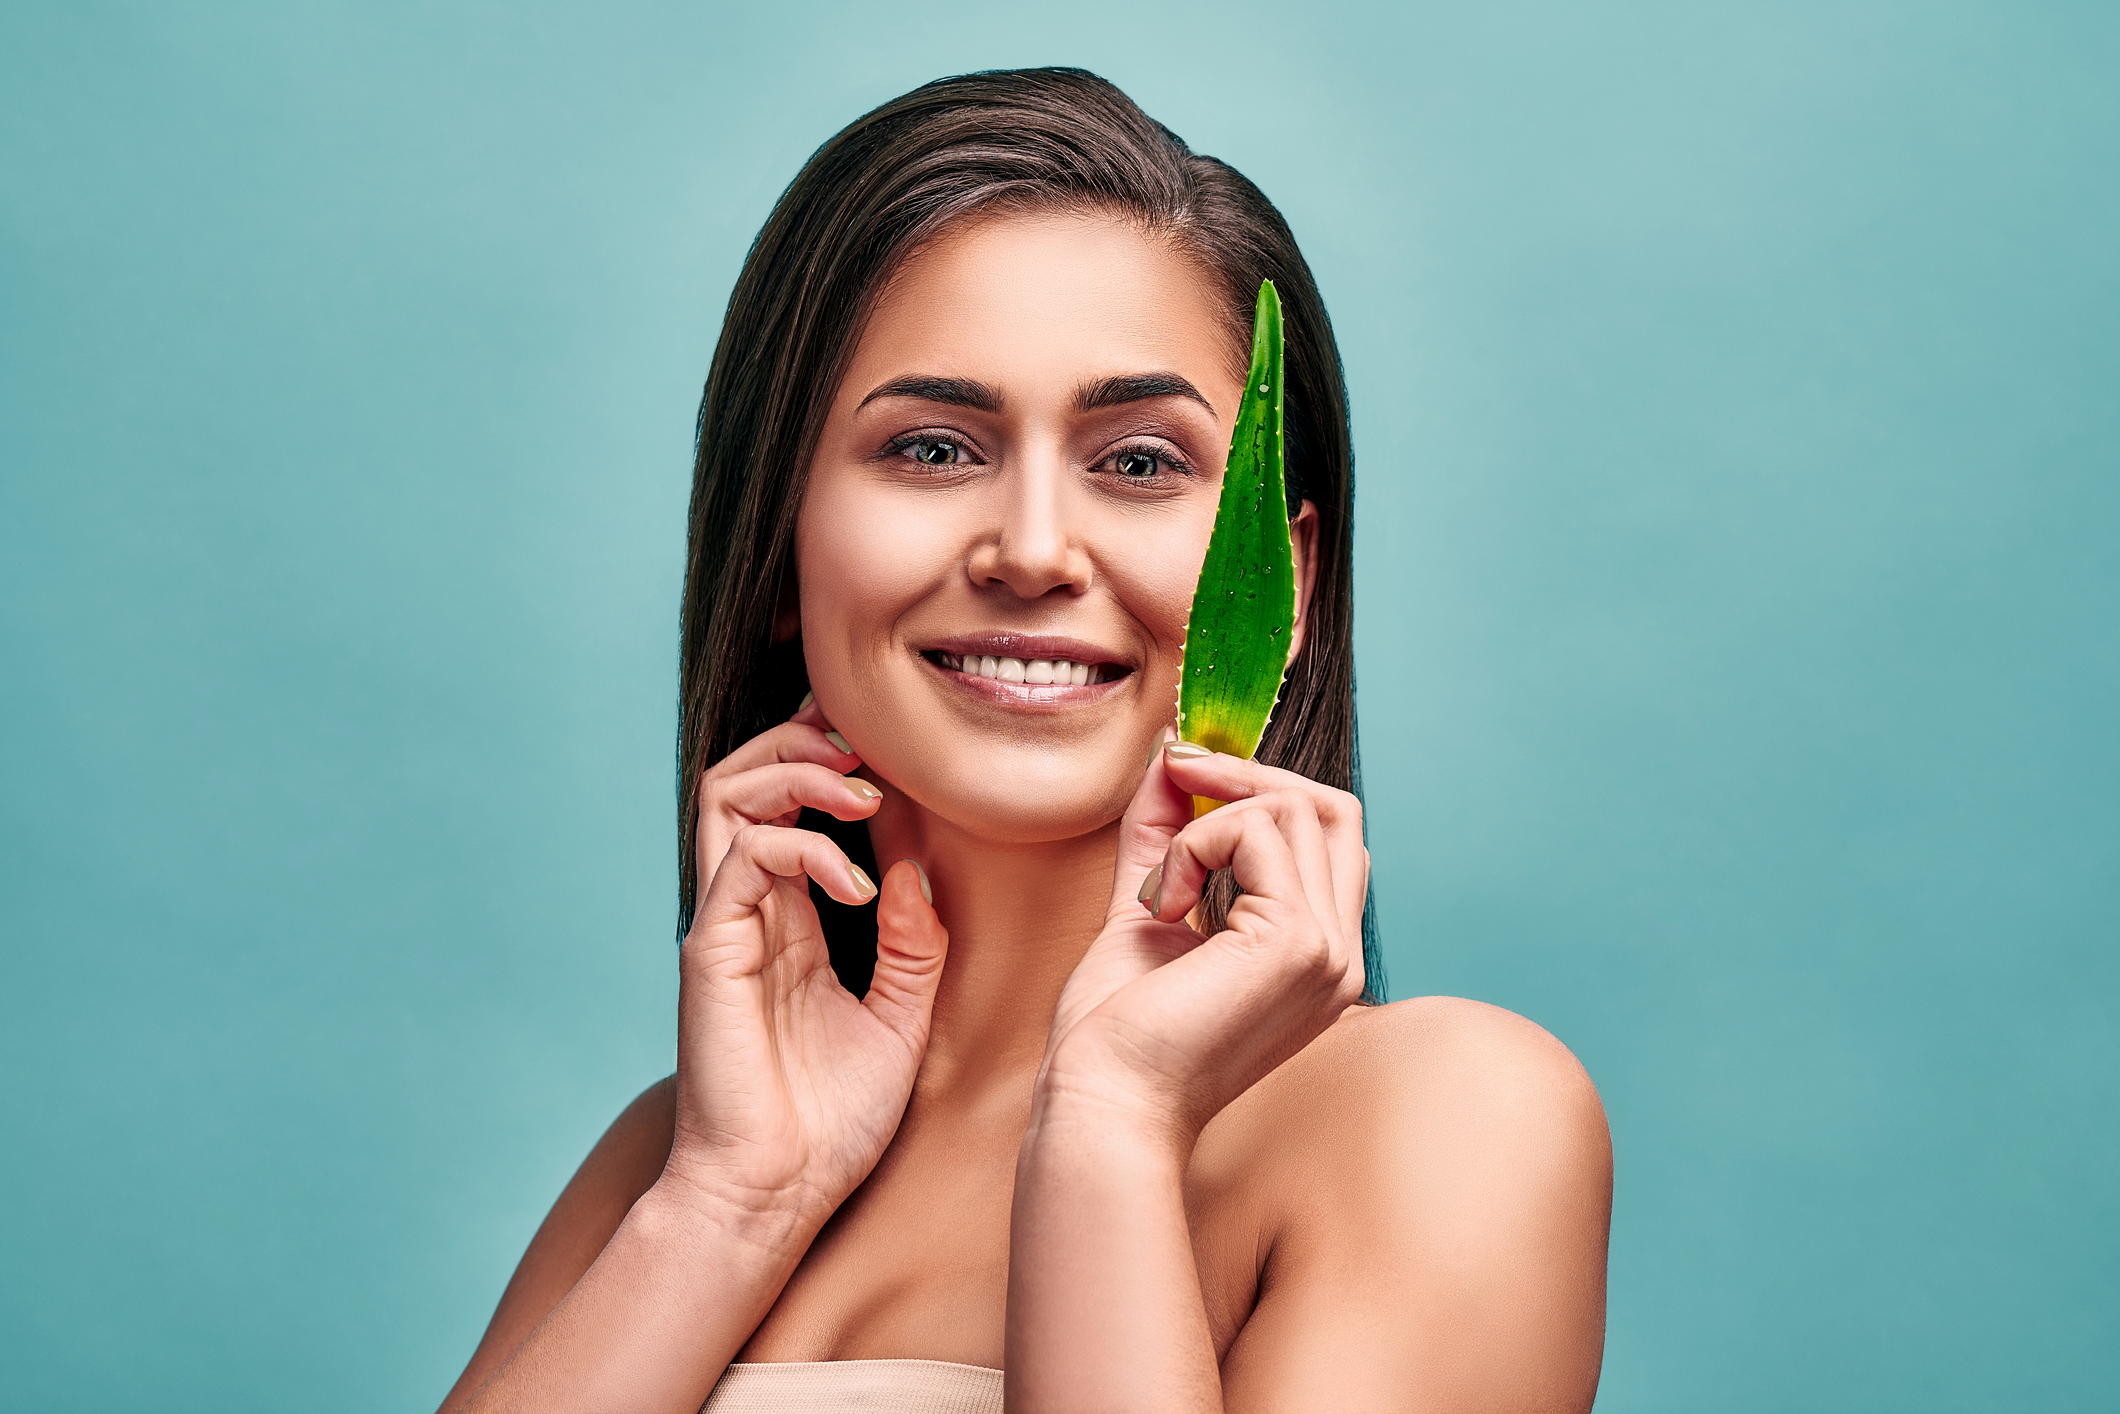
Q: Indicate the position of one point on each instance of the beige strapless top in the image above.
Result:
(872, 1386)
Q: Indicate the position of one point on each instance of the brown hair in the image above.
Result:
(1017, 140)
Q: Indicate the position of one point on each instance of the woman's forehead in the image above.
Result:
(1029, 299)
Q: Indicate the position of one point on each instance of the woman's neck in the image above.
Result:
(1019, 916)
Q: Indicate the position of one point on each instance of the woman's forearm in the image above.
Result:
(1104, 1303)
(659, 1315)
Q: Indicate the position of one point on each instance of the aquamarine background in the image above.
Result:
(1737, 394)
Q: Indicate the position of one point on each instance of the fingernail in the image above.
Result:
(926, 892)
(865, 790)
(1186, 750)
(839, 741)
(862, 885)
(1151, 887)
(807, 699)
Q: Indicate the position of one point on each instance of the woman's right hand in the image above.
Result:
(789, 1087)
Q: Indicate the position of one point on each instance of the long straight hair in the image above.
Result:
(1018, 140)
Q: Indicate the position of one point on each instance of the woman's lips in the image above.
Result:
(1026, 682)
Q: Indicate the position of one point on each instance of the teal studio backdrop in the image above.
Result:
(1739, 457)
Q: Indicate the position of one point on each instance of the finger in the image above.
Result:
(811, 714)
(1224, 777)
(1298, 820)
(911, 946)
(1315, 859)
(1158, 811)
(1230, 778)
(1295, 814)
(774, 792)
(762, 855)
(1296, 922)
(790, 741)
(1291, 839)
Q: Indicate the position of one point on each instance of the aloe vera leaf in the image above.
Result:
(1244, 608)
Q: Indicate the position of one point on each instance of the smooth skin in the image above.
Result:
(1063, 1135)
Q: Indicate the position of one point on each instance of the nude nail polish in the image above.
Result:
(864, 790)
(1163, 739)
(862, 883)
(1151, 888)
(1185, 750)
(926, 891)
(839, 741)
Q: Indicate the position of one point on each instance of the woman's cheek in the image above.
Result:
(866, 555)
(836, 568)
(1157, 584)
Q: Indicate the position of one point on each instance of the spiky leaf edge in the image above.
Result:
(1265, 460)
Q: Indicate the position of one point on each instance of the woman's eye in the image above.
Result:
(933, 451)
(1138, 464)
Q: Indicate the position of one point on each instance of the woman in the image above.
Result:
(1106, 1107)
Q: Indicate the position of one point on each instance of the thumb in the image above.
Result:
(1157, 812)
(910, 947)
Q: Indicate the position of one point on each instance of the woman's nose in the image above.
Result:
(1029, 548)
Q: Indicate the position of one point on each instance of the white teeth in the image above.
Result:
(1035, 672)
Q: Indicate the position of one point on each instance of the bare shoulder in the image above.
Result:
(1437, 1176)
(1436, 1102)
(624, 1164)
(1408, 1057)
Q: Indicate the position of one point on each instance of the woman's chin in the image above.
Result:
(1025, 812)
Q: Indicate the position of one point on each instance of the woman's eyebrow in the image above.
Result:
(1133, 388)
(957, 392)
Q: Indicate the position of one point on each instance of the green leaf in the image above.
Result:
(1244, 609)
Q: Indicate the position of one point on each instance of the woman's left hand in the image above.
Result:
(1159, 1028)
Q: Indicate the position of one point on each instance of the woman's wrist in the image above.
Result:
(693, 1211)
(1105, 1308)
(1075, 1115)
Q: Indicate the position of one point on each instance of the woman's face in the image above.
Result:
(1006, 515)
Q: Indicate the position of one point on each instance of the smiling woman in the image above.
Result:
(1088, 1112)
(1053, 508)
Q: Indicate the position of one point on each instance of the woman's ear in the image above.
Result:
(1303, 539)
(787, 609)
